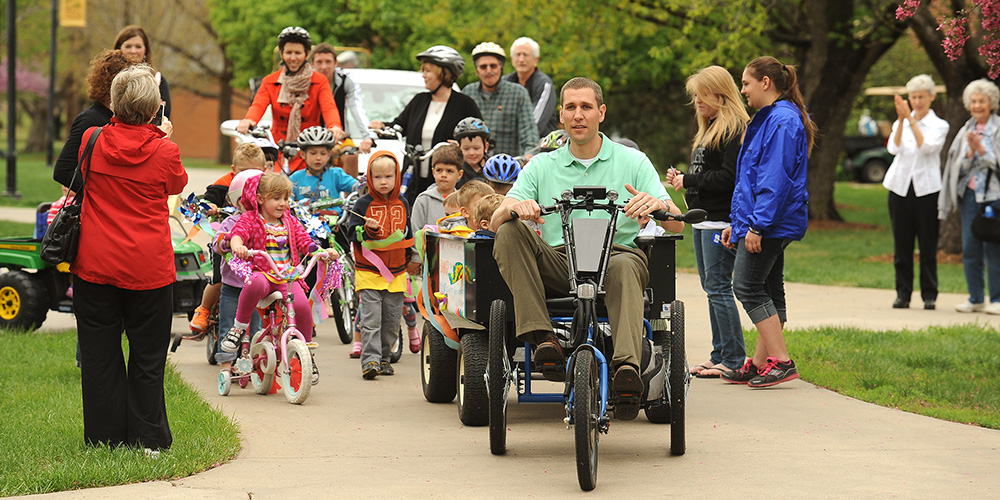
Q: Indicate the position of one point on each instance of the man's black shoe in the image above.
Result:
(902, 304)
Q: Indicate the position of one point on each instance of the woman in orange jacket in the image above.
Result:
(299, 97)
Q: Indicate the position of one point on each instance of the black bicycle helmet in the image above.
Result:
(472, 127)
(446, 57)
(502, 168)
(294, 34)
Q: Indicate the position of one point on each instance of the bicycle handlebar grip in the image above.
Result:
(660, 215)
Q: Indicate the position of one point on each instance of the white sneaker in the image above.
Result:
(993, 308)
(968, 307)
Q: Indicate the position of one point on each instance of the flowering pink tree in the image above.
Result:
(28, 80)
(956, 29)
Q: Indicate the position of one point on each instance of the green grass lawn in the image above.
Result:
(8, 228)
(857, 252)
(35, 184)
(942, 372)
(41, 429)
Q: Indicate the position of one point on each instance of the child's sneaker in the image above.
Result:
(200, 320)
(384, 368)
(356, 350)
(774, 373)
(315, 374)
(741, 375)
(369, 370)
(414, 340)
(231, 343)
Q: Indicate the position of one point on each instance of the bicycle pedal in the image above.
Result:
(312, 346)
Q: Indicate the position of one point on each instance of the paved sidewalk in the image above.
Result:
(380, 439)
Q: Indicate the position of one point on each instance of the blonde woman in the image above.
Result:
(710, 182)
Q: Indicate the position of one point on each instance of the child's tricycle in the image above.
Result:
(468, 307)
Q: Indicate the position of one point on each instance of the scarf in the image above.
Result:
(295, 90)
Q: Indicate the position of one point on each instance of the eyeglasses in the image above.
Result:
(488, 66)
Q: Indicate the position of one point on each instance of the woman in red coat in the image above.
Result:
(124, 271)
(299, 97)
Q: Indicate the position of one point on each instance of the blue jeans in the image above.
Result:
(715, 268)
(975, 252)
(227, 315)
(759, 279)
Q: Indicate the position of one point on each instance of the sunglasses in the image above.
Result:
(488, 66)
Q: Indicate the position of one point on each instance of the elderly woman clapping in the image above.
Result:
(914, 181)
(970, 180)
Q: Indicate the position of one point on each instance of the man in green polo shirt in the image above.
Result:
(533, 265)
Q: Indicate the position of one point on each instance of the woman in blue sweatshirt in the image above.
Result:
(770, 209)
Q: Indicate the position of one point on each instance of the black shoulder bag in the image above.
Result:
(63, 236)
(985, 228)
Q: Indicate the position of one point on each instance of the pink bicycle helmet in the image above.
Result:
(236, 187)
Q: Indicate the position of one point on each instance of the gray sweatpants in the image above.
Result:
(380, 314)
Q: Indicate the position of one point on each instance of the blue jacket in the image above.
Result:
(771, 174)
(333, 182)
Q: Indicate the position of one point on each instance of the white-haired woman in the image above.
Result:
(134, 168)
(914, 181)
(970, 179)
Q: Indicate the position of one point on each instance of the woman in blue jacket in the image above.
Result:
(770, 209)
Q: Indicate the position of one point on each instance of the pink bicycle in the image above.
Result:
(278, 348)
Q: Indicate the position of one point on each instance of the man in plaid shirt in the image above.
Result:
(506, 106)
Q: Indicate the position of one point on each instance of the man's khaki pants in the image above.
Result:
(533, 269)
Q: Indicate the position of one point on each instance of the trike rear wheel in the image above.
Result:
(437, 366)
(473, 404)
(498, 372)
(678, 377)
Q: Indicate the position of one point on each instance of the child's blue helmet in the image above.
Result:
(502, 168)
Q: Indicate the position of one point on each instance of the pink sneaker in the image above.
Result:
(356, 350)
(414, 340)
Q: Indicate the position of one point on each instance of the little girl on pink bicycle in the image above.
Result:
(268, 225)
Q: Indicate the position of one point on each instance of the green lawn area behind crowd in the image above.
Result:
(35, 184)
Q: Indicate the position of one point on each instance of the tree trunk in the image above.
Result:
(956, 75)
(225, 153)
(833, 69)
(38, 111)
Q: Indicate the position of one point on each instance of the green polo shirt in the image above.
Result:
(547, 175)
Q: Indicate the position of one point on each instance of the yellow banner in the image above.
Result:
(73, 13)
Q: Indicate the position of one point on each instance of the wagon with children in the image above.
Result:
(469, 349)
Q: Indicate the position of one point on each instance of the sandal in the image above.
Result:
(714, 371)
(696, 369)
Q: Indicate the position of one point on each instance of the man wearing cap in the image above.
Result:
(506, 106)
(524, 54)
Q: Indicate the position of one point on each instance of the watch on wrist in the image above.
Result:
(755, 231)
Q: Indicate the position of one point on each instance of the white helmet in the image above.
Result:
(489, 49)
(236, 186)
